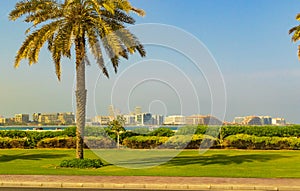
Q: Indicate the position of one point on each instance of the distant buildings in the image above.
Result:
(21, 118)
(259, 120)
(278, 121)
(202, 120)
(175, 120)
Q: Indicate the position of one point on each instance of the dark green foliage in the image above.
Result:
(70, 131)
(81, 163)
(162, 132)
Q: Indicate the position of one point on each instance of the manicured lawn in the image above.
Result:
(213, 163)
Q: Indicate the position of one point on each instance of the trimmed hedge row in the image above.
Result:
(174, 142)
(243, 141)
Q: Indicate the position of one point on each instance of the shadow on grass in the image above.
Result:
(24, 156)
(222, 159)
(217, 159)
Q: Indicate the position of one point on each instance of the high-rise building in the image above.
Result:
(157, 119)
(143, 119)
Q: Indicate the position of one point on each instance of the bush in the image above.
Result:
(99, 142)
(190, 142)
(162, 132)
(81, 163)
(243, 141)
(7, 143)
(57, 142)
(144, 142)
(262, 131)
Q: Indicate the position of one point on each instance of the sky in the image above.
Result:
(226, 58)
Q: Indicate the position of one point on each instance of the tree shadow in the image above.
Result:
(219, 159)
(24, 156)
(222, 159)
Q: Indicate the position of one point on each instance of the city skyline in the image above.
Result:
(112, 112)
(248, 39)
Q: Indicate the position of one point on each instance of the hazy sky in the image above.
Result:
(247, 45)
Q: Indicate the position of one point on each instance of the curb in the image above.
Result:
(194, 187)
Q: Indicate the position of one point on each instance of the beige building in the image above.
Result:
(22, 118)
(67, 118)
(174, 120)
(102, 120)
(202, 120)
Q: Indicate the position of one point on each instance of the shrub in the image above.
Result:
(99, 142)
(144, 142)
(243, 141)
(81, 163)
(57, 142)
(7, 143)
(162, 132)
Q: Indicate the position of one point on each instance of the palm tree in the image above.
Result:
(97, 23)
(295, 31)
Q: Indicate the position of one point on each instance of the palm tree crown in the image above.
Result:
(78, 22)
(295, 31)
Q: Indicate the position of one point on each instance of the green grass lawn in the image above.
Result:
(213, 163)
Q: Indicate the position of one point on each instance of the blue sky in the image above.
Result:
(248, 39)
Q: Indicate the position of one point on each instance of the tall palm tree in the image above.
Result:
(97, 23)
(295, 31)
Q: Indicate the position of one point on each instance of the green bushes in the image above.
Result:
(81, 163)
(144, 142)
(8, 143)
(243, 141)
(174, 142)
(57, 142)
(190, 137)
(99, 142)
(262, 131)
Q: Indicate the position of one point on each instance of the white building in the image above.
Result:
(278, 121)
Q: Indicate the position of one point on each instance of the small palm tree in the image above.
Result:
(79, 23)
(295, 31)
(117, 126)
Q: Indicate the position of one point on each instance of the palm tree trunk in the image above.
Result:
(80, 97)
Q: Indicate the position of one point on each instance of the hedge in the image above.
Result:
(57, 142)
(174, 142)
(99, 142)
(8, 143)
(243, 141)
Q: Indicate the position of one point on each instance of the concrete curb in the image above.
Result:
(211, 187)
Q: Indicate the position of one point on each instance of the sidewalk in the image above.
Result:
(149, 182)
